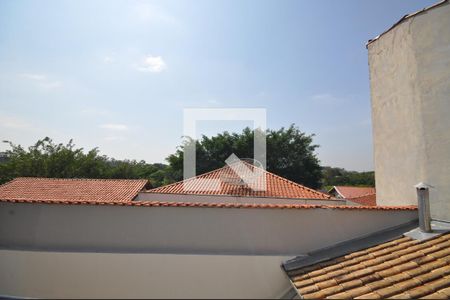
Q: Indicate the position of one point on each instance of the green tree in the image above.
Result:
(290, 154)
(47, 159)
(339, 176)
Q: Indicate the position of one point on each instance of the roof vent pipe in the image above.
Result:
(423, 199)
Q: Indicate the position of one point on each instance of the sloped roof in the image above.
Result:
(348, 192)
(403, 268)
(369, 199)
(57, 189)
(276, 187)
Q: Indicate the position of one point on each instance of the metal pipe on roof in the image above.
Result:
(423, 199)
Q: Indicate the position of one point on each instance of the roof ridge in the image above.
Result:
(246, 163)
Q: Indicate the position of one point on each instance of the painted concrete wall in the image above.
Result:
(113, 275)
(410, 91)
(143, 196)
(122, 251)
(186, 230)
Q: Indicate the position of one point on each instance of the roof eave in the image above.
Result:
(349, 246)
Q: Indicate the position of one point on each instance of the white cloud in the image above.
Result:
(117, 127)
(41, 80)
(153, 64)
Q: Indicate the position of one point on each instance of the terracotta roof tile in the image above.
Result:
(348, 192)
(400, 269)
(212, 205)
(369, 199)
(277, 187)
(57, 189)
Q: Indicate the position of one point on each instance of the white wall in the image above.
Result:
(113, 275)
(145, 196)
(193, 230)
(410, 91)
(126, 251)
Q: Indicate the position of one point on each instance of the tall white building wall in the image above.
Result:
(410, 91)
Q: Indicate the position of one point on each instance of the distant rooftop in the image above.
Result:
(277, 187)
(369, 199)
(347, 192)
(56, 189)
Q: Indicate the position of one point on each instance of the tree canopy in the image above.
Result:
(290, 154)
(47, 159)
(340, 176)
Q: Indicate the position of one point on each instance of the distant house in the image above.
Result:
(232, 189)
(368, 200)
(355, 195)
(65, 190)
(347, 192)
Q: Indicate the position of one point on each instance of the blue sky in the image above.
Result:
(117, 74)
